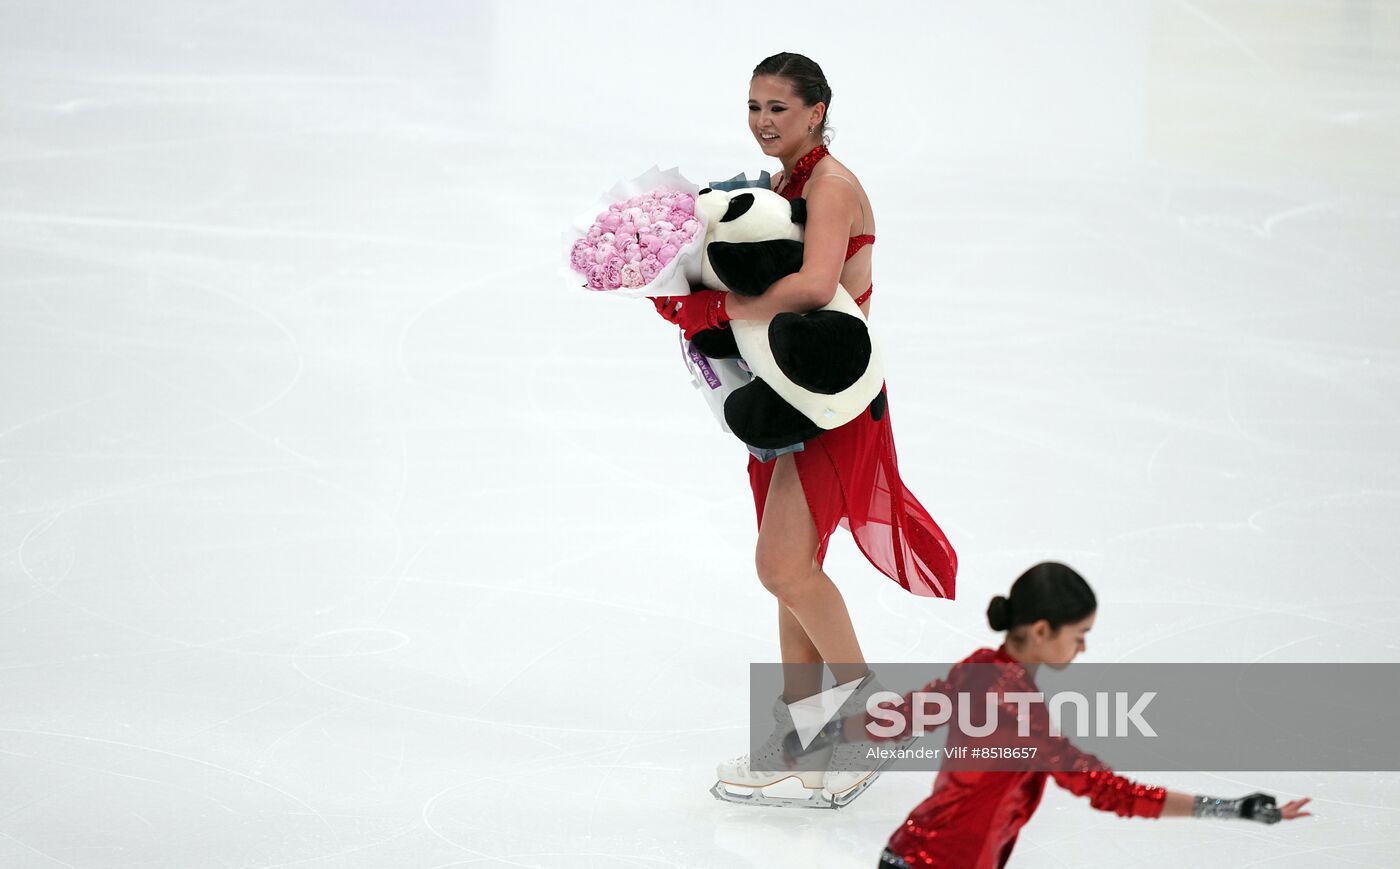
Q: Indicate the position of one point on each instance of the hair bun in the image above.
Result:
(999, 613)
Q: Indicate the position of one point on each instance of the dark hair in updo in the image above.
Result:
(808, 80)
(1050, 591)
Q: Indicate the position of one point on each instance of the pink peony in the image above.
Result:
(581, 256)
(612, 274)
(632, 275)
(667, 253)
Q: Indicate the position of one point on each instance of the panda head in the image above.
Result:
(753, 237)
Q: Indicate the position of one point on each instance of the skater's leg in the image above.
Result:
(813, 628)
(786, 559)
(802, 671)
(787, 564)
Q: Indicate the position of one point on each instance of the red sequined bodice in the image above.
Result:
(856, 242)
(801, 172)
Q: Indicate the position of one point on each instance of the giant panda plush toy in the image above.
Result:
(812, 372)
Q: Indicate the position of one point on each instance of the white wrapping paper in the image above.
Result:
(715, 378)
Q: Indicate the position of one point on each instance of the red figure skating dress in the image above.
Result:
(850, 477)
(973, 817)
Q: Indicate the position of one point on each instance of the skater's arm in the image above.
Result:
(1257, 806)
(1084, 775)
(1110, 792)
(1181, 805)
(1177, 805)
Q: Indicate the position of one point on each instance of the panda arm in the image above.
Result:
(829, 207)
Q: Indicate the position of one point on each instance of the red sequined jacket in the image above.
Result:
(972, 818)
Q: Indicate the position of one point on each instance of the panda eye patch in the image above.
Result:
(737, 207)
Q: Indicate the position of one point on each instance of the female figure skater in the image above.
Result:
(972, 818)
(847, 475)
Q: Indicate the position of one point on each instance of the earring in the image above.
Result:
(811, 129)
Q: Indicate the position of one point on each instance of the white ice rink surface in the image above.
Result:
(336, 532)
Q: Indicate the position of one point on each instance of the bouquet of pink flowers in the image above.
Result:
(644, 238)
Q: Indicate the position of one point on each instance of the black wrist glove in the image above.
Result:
(1259, 807)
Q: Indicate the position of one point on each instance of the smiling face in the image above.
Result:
(779, 119)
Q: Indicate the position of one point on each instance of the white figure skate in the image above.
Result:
(740, 783)
(845, 777)
(849, 772)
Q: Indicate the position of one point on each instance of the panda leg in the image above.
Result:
(761, 418)
(823, 352)
(877, 407)
(716, 343)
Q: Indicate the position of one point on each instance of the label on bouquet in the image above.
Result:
(703, 368)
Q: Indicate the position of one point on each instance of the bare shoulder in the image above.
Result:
(775, 181)
(840, 183)
(847, 190)
(831, 166)
(848, 185)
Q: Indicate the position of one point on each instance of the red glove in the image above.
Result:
(697, 312)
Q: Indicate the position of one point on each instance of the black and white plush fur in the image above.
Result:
(812, 371)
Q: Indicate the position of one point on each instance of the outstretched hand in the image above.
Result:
(1264, 808)
(1292, 809)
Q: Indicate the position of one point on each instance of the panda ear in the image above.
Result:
(799, 211)
(737, 206)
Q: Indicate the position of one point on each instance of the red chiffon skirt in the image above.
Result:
(850, 478)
